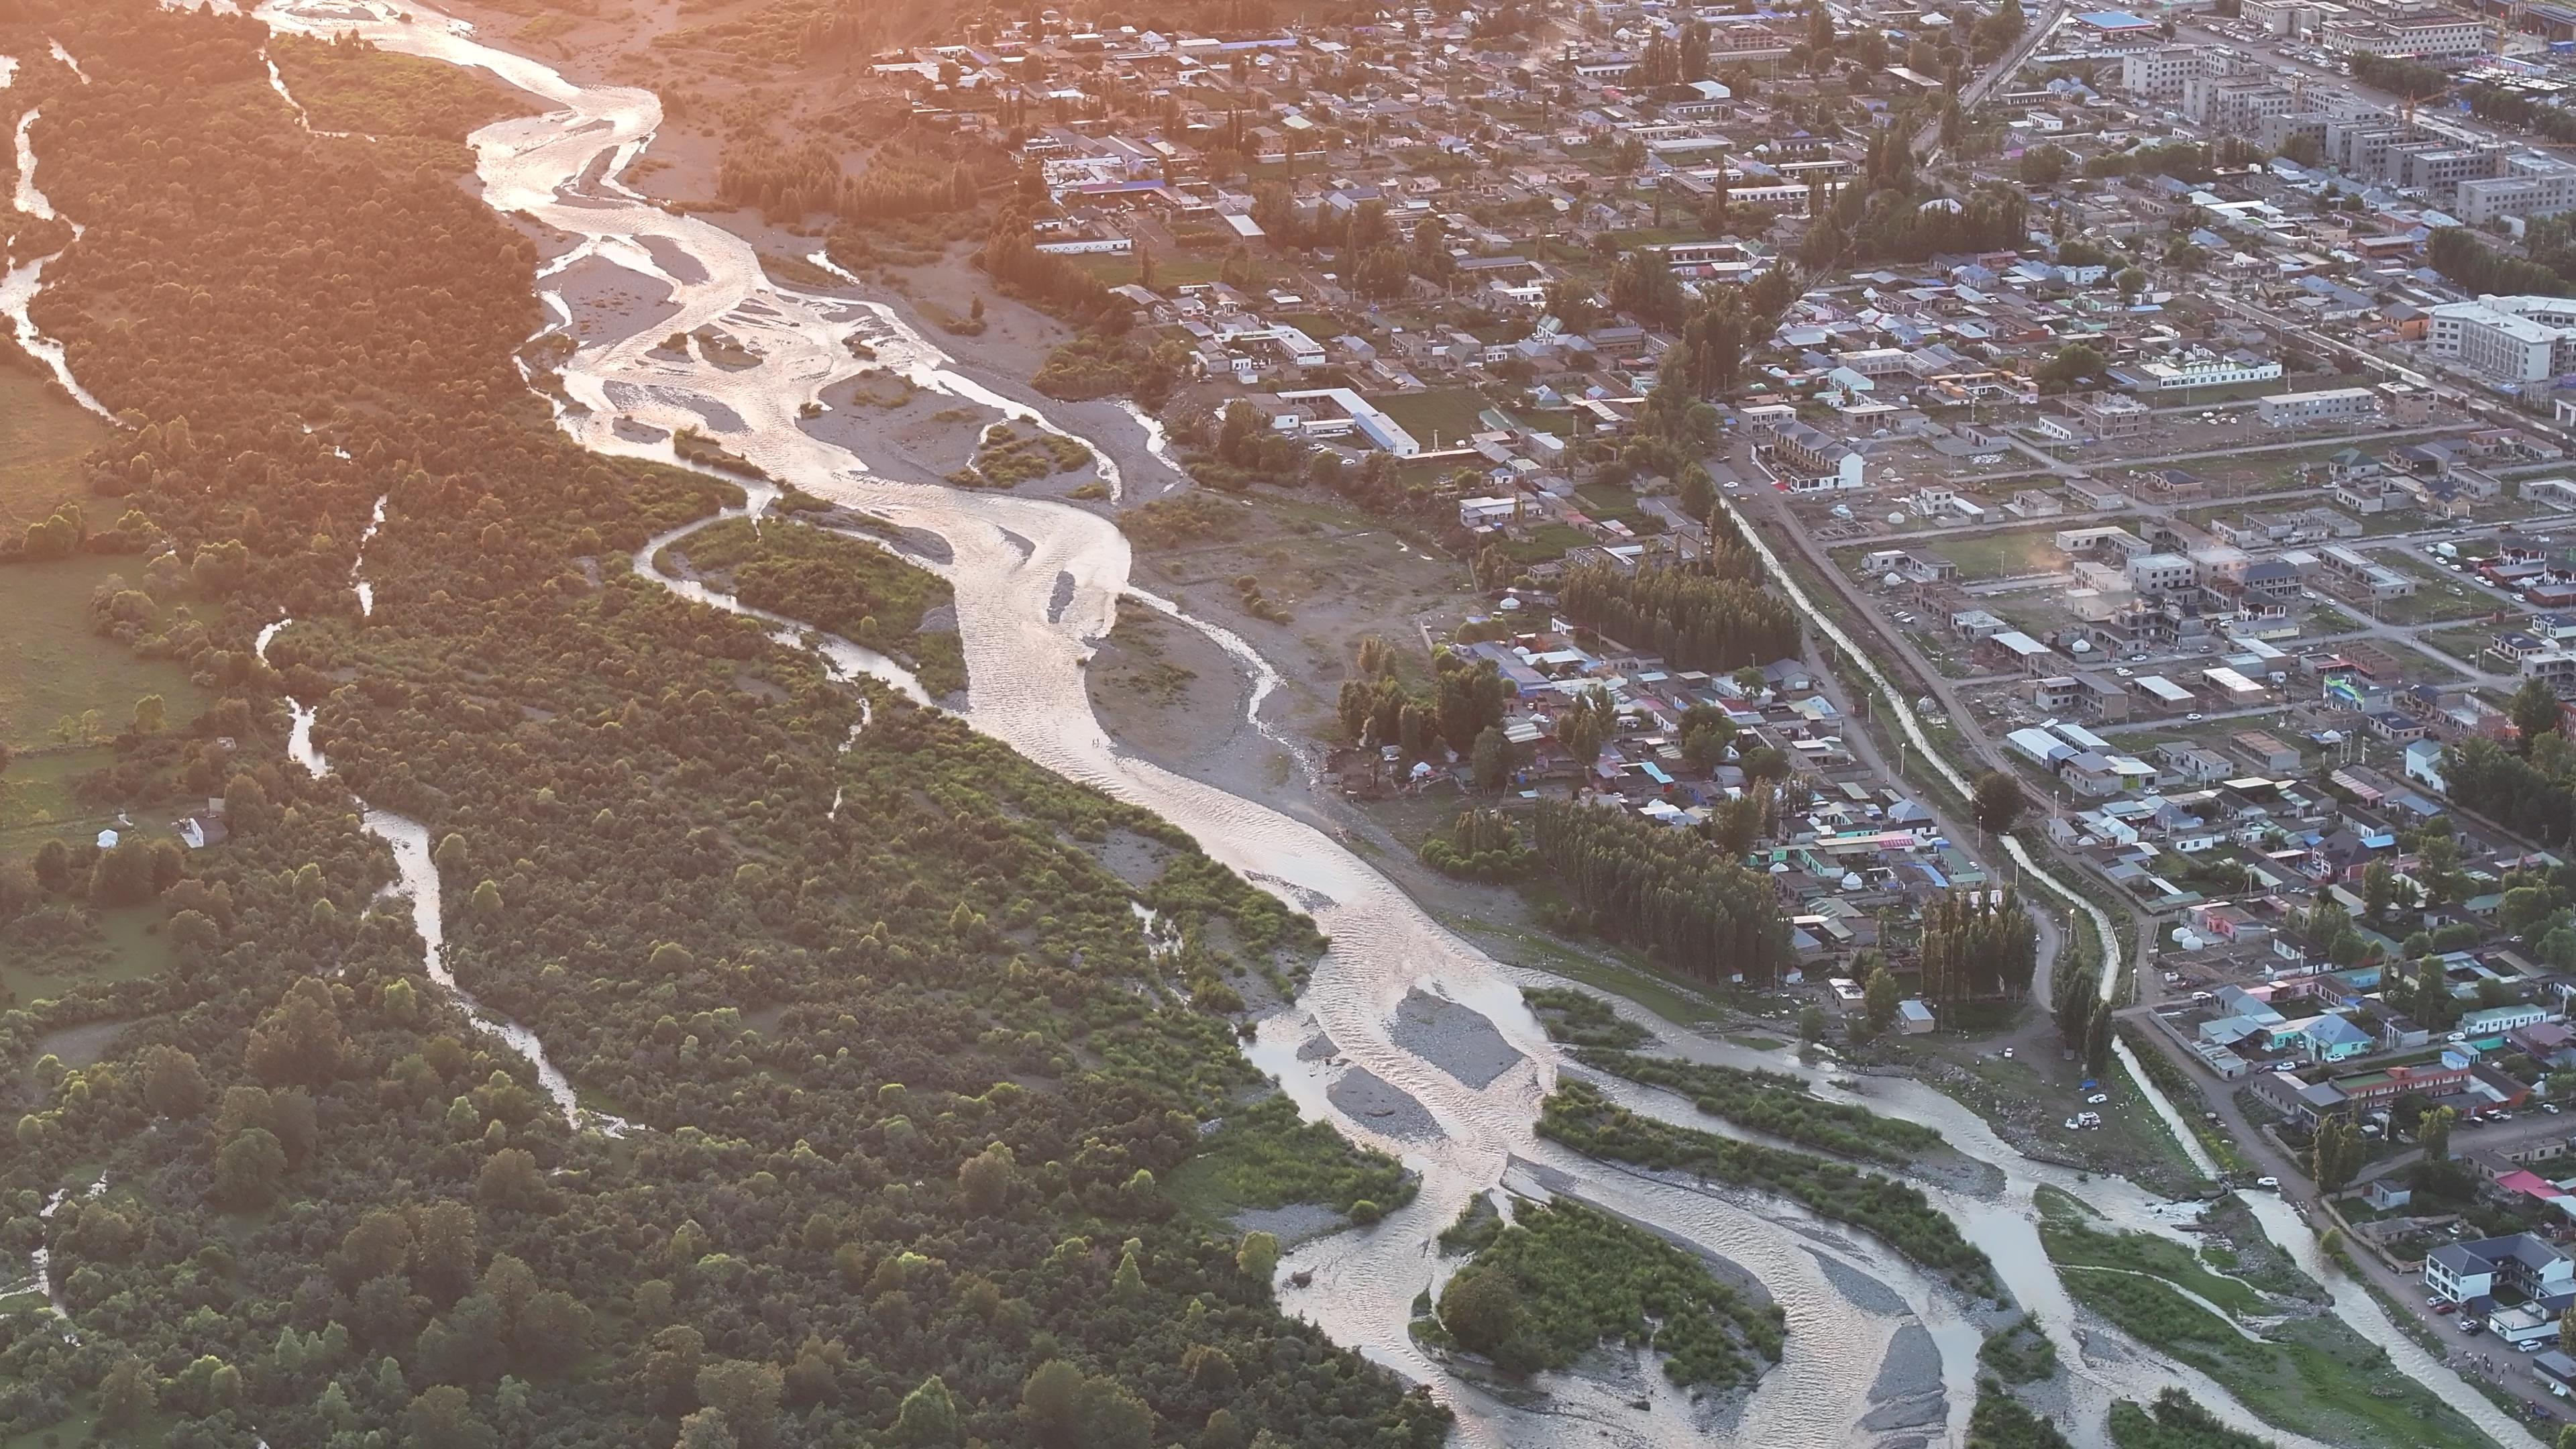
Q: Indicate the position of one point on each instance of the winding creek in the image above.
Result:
(1037, 584)
(19, 285)
(416, 881)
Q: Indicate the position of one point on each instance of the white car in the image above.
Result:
(2098, 1098)
(2273, 1183)
(2194, 716)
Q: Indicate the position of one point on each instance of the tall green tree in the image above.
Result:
(1998, 800)
(2534, 712)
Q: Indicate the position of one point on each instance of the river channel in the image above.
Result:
(1037, 583)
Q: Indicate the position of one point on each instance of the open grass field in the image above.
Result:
(54, 671)
(42, 958)
(42, 438)
(2072, 1241)
(2466, 641)
(2312, 1376)
(36, 801)
(1441, 418)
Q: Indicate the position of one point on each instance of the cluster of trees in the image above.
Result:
(2457, 253)
(2000, 1422)
(345, 84)
(2413, 79)
(2530, 789)
(1996, 33)
(1242, 447)
(1580, 1116)
(1561, 1279)
(2072, 366)
(1713, 615)
(2084, 1020)
(1480, 845)
(906, 1076)
(2336, 1154)
(1664, 891)
(65, 532)
(1675, 59)
(1976, 944)
(1465, 700)
(1099, 364)
(2175, 1421)
(1909, 226)
(839, 585)
(1010, 256)
(901, 180)
(2513, 108)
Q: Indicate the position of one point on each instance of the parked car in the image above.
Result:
(2273, 1183)
(2446, 1306)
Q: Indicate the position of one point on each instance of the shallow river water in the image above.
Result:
(1026, 644)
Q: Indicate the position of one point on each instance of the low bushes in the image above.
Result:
(1577, 1115)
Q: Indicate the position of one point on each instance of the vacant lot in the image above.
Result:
(55, 674)
(1441, 418)
(42, 438)
(2002, 555)
(2439, 596)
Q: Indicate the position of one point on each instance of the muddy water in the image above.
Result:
(1026, 645)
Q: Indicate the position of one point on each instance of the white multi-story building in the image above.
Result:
(2282, 17)
(2235, 104)
(2508, 339)
(2161, 71)
(2531, 186)
(2430, 35)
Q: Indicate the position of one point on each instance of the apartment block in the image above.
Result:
(2421, 35)
(2530, 186)
(2235, 104)
(2161, 71)
(2508, 339)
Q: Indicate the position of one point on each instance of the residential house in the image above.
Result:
(2465, 1272)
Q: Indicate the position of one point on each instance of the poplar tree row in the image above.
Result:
(1692, 616)
(1977, 943)
(1664, 890)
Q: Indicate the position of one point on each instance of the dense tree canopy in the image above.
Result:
(905, 1079)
